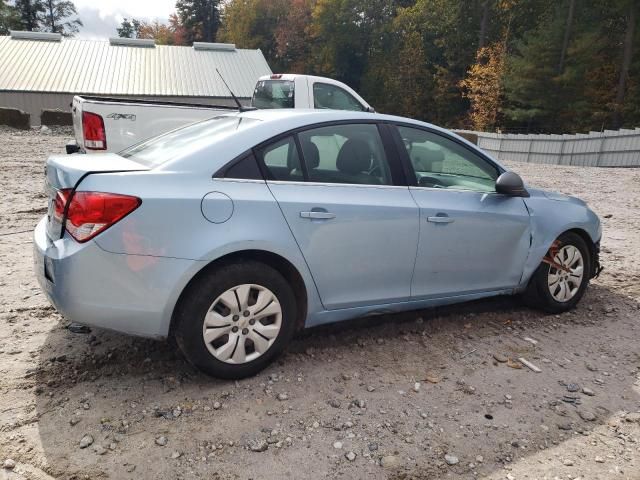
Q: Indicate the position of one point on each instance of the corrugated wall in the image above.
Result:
(611, 148)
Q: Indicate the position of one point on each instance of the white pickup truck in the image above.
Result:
(110, 125)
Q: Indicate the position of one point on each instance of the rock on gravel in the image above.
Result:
(587, 416)
(258, 445)
(351, 456)
(632, 417)
(390, 461)
(162, 440)
(86, 441)
(451, 459)
(9, 464)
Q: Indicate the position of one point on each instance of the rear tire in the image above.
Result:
(555, 290)
(235, 320)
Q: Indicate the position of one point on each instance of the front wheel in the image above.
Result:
(562, 278)
(236, 319)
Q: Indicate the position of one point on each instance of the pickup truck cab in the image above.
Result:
(111, 124)
(306, 91)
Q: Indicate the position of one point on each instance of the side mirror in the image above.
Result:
(510, 183)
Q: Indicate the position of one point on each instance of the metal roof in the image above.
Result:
(99, 68)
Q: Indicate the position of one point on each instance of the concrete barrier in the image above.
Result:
(56, 117)
(14, 118)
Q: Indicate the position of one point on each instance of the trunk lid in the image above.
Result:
(66, 171)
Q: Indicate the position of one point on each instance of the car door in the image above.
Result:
(355, 223)
(472, 239)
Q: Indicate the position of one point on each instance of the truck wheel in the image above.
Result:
(236, 319)
(556, 289)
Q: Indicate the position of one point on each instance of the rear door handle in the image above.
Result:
(440, 219)
(318, 215)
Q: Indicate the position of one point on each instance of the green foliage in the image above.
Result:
(42, 16)
(200, 19)
(30, 12)
(129, 28)
(56, 17)
(9, 18)
(420, 57)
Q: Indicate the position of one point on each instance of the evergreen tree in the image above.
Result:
(55, 17)
(9, 18)
(129, 28)
(200, 18)
(30, 12)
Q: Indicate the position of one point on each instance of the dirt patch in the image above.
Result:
(430, 394)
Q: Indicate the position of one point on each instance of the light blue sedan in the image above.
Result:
(232, 233)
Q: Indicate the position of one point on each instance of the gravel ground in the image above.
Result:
(422, 395)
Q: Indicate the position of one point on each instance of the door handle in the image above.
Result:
(318, 215)
(440, 219)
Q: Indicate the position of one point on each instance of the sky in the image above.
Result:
(102, 18)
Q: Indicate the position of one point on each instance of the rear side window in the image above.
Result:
(335, 98)
(281, 160)
(346, 154)
(246, 168)
(273, 94)
(158, 150)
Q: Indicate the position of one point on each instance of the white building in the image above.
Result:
(43, 71)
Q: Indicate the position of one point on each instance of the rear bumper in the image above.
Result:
(132, 294)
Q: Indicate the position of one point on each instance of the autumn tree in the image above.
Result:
(293, 44)
(484, 88)
(256, 24)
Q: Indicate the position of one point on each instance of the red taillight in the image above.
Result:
(60, 202)
(90, 213)
(94, 134)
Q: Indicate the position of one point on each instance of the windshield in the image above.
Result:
(273, 94)
(158, 150)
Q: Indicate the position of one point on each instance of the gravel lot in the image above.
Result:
(421, 395)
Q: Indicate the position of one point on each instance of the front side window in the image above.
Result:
(345, 154)
(281, 160)
(439, 162)
(335, 98)
(273, 94)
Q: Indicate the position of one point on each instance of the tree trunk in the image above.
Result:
(483, 24)
(626, 62)
(567, 36)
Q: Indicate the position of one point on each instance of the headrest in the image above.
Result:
(354, 157)
(311, 153)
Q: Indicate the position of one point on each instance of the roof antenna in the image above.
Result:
(235, 99)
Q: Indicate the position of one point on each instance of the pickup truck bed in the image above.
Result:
(125, 122)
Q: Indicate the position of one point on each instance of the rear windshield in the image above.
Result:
(158, 150)
(273, 94)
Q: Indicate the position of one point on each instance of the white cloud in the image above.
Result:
(101, 20)
(135, 8)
